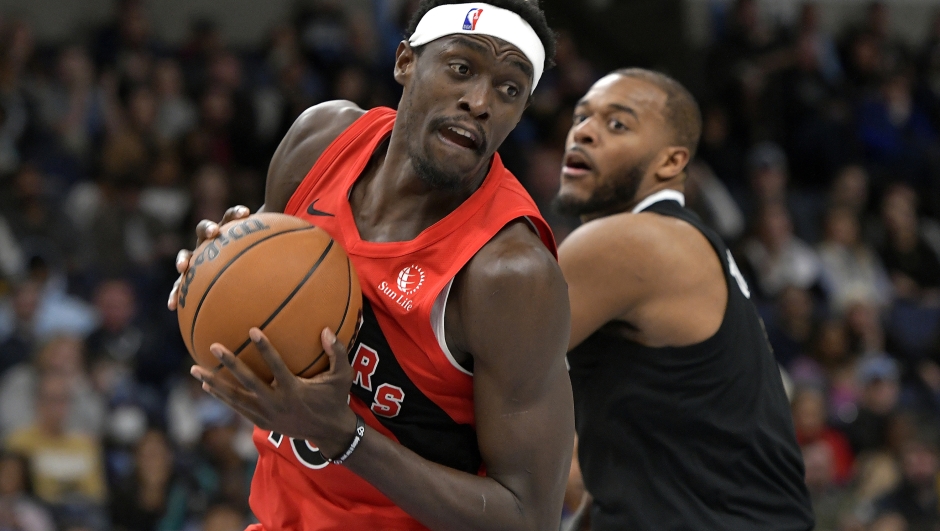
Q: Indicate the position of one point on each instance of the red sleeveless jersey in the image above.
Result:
(406, 385)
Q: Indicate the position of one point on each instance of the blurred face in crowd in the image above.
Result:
(774, 226)
(618, 130)
(115, 303)
(880, 395)
(795, 304)
(919, 463)
(12, 475)
(62, 356)
(899, 211)
(842, 227)
(26, 300)
(820, 466)
(52, 403)
(154, 458)
(832, 343)
(223, 518)
(850, 189)
(463, 95)
(809, 413)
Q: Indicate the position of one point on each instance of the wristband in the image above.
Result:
(360, 431)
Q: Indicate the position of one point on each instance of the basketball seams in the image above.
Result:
(341, 322)
(218, 275)
(290, 296)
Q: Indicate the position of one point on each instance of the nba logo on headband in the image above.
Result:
(470, 21)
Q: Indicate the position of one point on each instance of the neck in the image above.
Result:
(392, 202)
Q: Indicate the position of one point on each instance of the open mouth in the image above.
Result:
(577, 163)
(461, 136)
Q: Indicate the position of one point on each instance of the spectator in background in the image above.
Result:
(176, 115)
(894, 131)
(851, 271)
(140, 501)
(20, 342)
(56, 313)
(912, 263)
(769, 180)
(37, 222)
(65, 465)
(708, 197)
(776, 257)
(879, 380)
(62, 357)
(809, 419)
(916, 500)
(19, 510)
(830, 500)
(791, 328)
(222, 517)
(74, 107)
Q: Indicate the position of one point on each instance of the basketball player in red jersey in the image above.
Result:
(680, 410)
(459, 412)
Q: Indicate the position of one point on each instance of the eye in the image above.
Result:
(460, 68)
(617, 125)
(578, 118)
(511, 90)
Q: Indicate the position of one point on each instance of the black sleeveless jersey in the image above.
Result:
(689, 438)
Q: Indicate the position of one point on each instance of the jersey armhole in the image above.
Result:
(437, 325)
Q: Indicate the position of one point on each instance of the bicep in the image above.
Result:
(524, 410)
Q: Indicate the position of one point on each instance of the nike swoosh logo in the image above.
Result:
(314, 212)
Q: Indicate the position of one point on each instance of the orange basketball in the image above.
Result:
(275, 272)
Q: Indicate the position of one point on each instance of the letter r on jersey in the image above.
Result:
(364, 364)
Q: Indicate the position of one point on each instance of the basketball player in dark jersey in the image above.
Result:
(681, 415)
(457, 419)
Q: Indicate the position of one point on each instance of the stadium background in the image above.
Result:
(124, 123)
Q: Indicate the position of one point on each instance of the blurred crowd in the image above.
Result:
(819, 164)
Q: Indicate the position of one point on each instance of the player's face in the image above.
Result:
(463, 96)
(618, 129)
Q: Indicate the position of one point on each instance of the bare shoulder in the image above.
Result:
(312, 132)
(645, 244)
(513, 295)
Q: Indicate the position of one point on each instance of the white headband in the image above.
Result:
(482, 19)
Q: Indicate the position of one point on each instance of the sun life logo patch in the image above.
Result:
(470, 21)
(410, 279)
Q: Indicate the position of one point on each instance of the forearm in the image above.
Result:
(438, 496)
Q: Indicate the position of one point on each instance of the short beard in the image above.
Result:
(609, 197)
(437, 178)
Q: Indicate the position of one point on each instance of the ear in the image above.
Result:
(674, 161)
(404, 62)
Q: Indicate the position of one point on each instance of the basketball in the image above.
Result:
(275, 272)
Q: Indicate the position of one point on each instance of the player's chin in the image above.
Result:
(569, 202)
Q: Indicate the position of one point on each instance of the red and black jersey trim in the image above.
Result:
(420, 425)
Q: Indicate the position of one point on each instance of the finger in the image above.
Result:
(242, 373)
(282, 375)
(182, 260)
(256, 418)
(212, 379)
(174, 295)
(236, 212)
(335, 351)
(206, 230)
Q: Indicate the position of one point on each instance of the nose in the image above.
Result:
(476, 100)
(584, 133)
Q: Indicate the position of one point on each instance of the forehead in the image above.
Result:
(638, 94)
